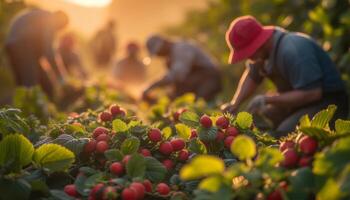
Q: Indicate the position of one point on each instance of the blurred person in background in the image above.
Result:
(103, 45)
(305, 77)
(190, 69)
(30, 39)
(130, 69)
(70, 57)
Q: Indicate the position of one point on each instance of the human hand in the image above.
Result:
(229, 108)
(257, 103)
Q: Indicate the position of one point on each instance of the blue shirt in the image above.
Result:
(298, 62)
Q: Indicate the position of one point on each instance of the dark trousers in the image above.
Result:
(27, 71)
(285, 120)
(204, 84)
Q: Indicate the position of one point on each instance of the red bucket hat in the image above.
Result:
(245, 36)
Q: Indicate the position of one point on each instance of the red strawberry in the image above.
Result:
(178, 144)
(102, 137)
(155, 135)
(105, 116)
(90, 146)
(115, 110)
(232, 131)
(177, 114)
(194, 133)
(308, 145)
(286, 144)
(275, 195)
(305, 161)
(126, 159)
(222, 122)
(206, 121)
(71, 190)
(168, 164)
(183, 155)
(148, 185)
(145, 152)
(139, 188)
(101, 146)
(110, 193)
(166, 148)
(290, 158)
(163, 189)
(228, 141)
(220, 136)
(99, 130)
(95, 190)
(129, 194)
(117, 168)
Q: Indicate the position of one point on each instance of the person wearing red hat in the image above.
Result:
(305, 77)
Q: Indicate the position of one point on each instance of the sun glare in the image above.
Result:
(95, 3)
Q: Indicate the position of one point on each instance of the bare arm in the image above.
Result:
(295, 98)
(245, 89)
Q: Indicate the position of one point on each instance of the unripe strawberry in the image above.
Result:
(222, 122)
(163, 189)
(101, 146)
(155, 135)
(90, 146)
(168, 164)
(129, 194)
(139, 188)
(99, 130)
(232, 131)
(117, 168)
(220, 136)
(71, 190)
(109, 193)
(194, 133)
(126, 159)
(102, 137)
(105, 116)
(308, 145)
(178, 144)
(183, 155)
(290, 158)
(166, 148)
(145, 152)
(148, 185)
(286, 145)
(228, 141)
(305, 161)
(206, 121)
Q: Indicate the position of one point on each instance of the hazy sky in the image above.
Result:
(136, 19)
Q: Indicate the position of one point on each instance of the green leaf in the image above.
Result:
(14, 189)
(183, 131)
(155, 171)
(16, 151)
(60, 195)
(244, 120)
(53, 157)
(201, 166)
(301, 184)
(130, 145)
(119, 126)
(318, 133)
(207, 134)
(211, 184)
(113, 155)
(330, 191)
(136, 166)
(268, 157)
(304, 121)
(189, 118)
(243, 147)
(167, 132)
(196, 146)
(342, 126)
(80, 184)
(71, 143)
(322, 118)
